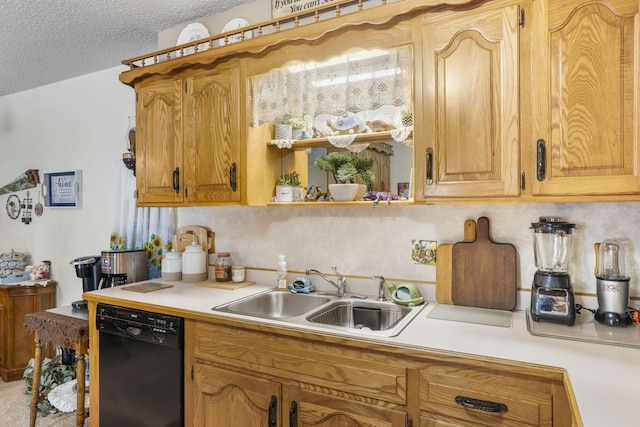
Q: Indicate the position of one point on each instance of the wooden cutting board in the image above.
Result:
(181, 241)
(444, 264)
(484, 272)
(225, 285)
(199, 232)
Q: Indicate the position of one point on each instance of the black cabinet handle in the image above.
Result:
(540, 160)
(232, 177)
(481, 405)
(429, 166)
(273, 412)
(176, 180)
(293, 414)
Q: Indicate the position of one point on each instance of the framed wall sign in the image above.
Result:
(62, 189)
(280, 8)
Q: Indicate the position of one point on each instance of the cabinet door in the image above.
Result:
(229, 399)
(159, 171)
(585, 97)
(320, 410)
(211, 137)
(16, 343)
(471, 102)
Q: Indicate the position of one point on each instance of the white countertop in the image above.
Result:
(602, 376)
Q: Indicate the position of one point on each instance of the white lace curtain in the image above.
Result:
(356, 82)
(140, 228)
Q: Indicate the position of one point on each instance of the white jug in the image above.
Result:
(172, 266)
(194, 264)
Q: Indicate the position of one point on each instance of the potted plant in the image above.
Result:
(346, 169)
(407, 117)
(288, 187)
(297, 125)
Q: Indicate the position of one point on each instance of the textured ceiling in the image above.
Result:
(46, 41)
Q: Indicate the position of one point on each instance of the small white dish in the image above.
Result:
(192, 32)
(234, 24)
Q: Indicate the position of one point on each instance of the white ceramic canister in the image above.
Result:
(172, 266)
(237, 273)
(194, 264)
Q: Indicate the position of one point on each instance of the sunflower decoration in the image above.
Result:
(117, 241)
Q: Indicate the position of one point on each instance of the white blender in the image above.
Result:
(612, 284)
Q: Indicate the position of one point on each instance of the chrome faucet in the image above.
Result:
(341, 285)
(342, 282)
(382, 285)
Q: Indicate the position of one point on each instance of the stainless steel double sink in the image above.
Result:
(356, 315)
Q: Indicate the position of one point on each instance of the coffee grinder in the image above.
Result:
(552, 297)
(88, 268)
(612, 285)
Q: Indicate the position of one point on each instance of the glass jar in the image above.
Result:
(223, 267)
(131, 135)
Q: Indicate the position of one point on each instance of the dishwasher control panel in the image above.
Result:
(142, 325)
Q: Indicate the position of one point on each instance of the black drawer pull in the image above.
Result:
(273, 412)
(293, 414)
(541, 159)
(232, 177)
(176, 180)
(429, 161)
(481, 405)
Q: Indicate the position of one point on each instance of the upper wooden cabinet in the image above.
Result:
(530, 100)
(470, 96)
(188, 139)
(585, 97)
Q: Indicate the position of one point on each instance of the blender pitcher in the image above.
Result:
(552, 240)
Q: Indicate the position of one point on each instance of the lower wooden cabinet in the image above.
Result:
(16, 344)
(259, 375)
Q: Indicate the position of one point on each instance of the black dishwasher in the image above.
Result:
(141, 368)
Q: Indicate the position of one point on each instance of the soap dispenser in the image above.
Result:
(282, 273)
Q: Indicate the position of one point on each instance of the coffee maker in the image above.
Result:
(552, 297)
(123, 266)
(88, 268)
(612, 285)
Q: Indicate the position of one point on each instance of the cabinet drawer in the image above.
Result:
(338, 367)
(524, 400)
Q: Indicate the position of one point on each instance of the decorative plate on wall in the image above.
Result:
(234, 24)
(13, 206)
(192, 32)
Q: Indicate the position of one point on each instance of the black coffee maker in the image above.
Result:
(89, 269)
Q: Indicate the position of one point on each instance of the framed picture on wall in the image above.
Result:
(63, 189)
(403, 189)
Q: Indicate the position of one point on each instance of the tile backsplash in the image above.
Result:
(362, 241)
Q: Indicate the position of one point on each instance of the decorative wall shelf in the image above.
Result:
(373, 137)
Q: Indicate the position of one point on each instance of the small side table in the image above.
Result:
(61, 331)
